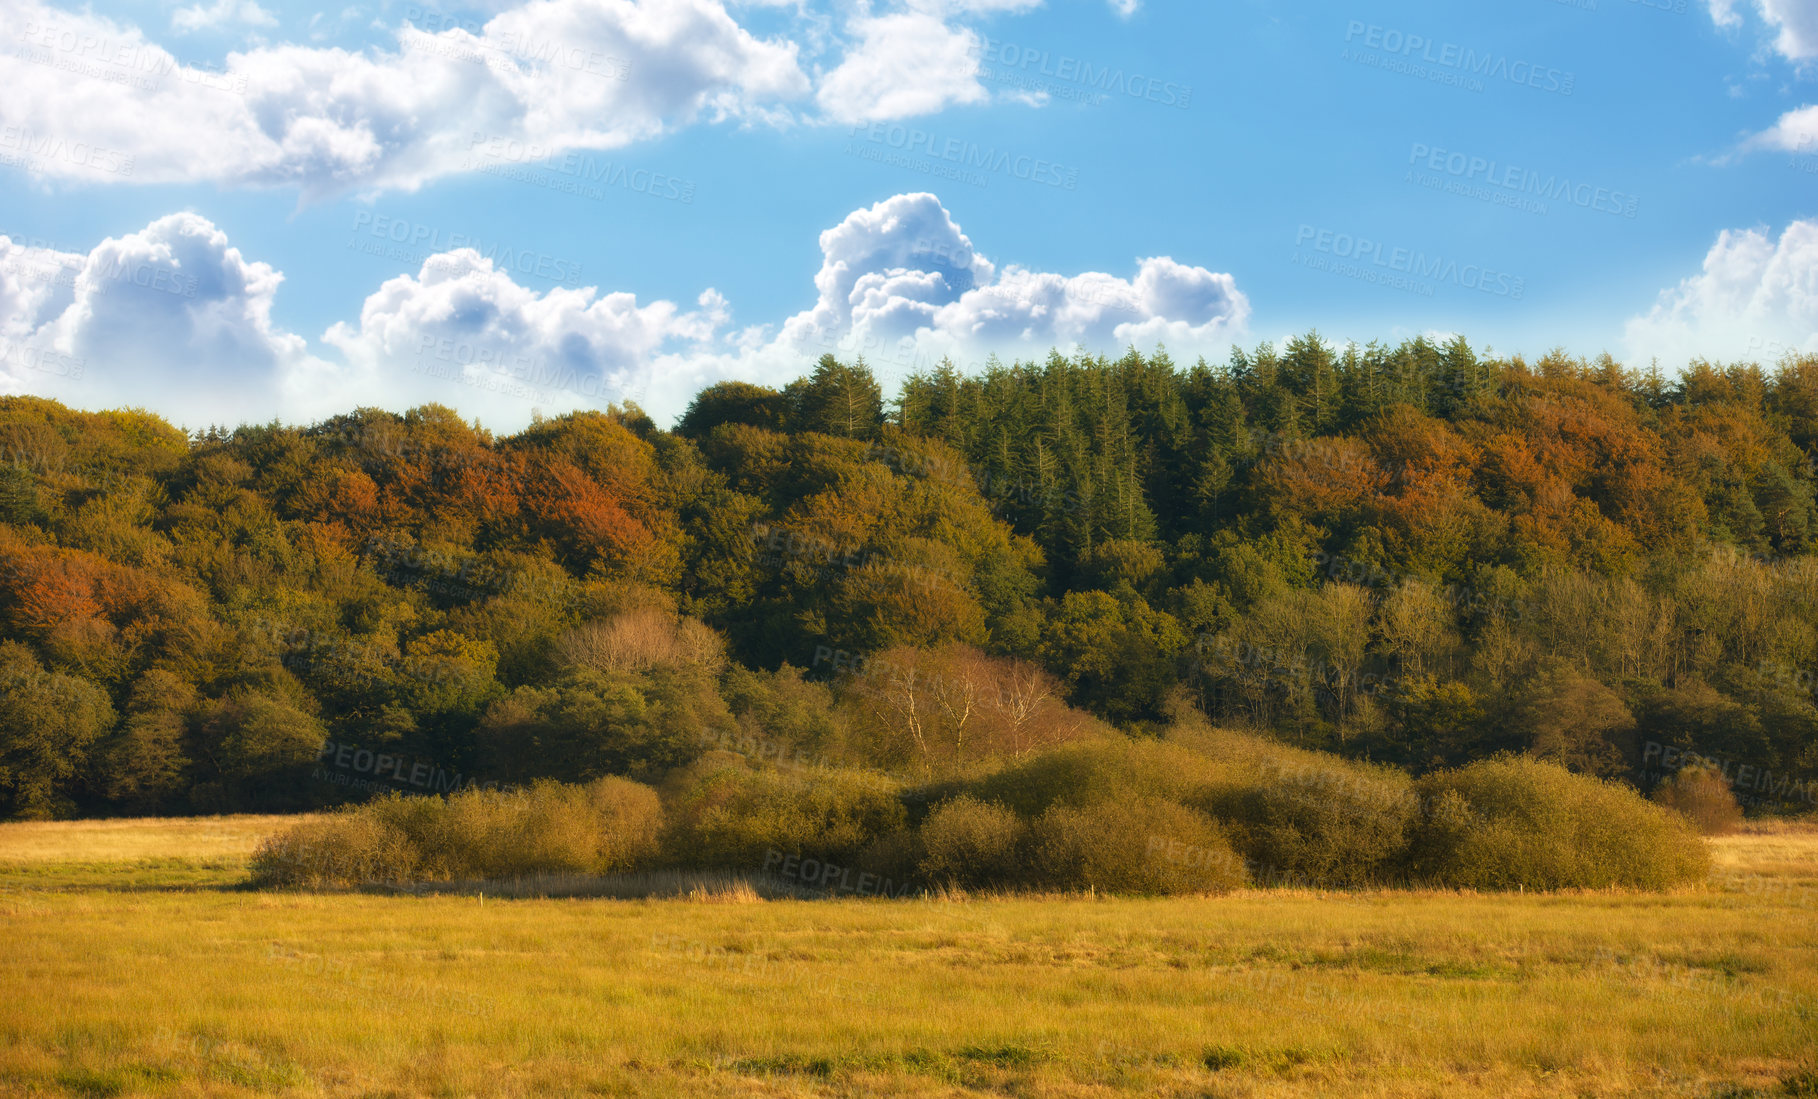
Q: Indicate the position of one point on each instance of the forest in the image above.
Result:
(1410, 555)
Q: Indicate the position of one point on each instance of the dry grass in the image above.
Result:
(710, 886)
(125, 839)
(169, 987)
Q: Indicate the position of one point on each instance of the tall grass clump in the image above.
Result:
(1703, 796)
(1514, 822)
(608, 825)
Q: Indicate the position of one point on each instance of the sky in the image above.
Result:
(238, 211)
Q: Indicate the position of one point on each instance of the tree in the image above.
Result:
(49, 722)
(734, 403)
(1703, 796)
(838, 399)
(254, 745)
(143, 764)
(1570, 719)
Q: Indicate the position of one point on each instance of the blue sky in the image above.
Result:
(240, 210)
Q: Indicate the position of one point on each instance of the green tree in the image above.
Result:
(49, 722)
(838, 399)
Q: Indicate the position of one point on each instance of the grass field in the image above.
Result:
(133, 961)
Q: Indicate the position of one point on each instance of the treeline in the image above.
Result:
(1411, 555)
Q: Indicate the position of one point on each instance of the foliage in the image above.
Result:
(609, 824)
(967, 843)
(1147, 846)
(723, 814)
(1703, 796)
(1511, 822)
(1413, 554)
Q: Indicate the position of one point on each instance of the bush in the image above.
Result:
(1323, 822)
(724, 815)
(1703, 796)
(1510, 822)
(969, 844)
(1087, 774)
(346, 849)
(608, 825)
(1147, 846)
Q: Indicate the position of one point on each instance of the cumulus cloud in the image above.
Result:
(908, 63)
(462, 322)
(1796, 131)
(171, 316)
(557, 74)
(902, 284)
(1794, 24)
(1755, 299)
(175, 318)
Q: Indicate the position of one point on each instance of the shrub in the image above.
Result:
(969, 844)
(1087, 774)
(611, 824)
(1322, 822)
(1510, 822)
(1702, 796)
(346, 849)
(725, 815)
(1147, 846)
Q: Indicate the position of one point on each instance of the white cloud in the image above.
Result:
(463, 333)
(1796, 131)
(1756, 298)
(173, 317)
(974, 7)
(909, 63)
(1127, 8)
(1797, 22)
(1794, 24)
(220, 14)
(902, 284)
(557, 74)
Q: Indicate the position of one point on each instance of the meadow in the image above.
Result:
(138, 962)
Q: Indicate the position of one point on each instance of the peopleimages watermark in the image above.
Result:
(571, 172)
(505, 46)
(515, 373)
(63, 270)
(23, 147)
(802, 977)
(394, 238)
(359, 975)
(1447, 62)
(1065, 77)
(831, 876)
(1753, 784)
(968, 159)
(1807, 164)
(140, 65)
(351, 765)
(41, 360)
(1510, 185)
(1402, 268)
